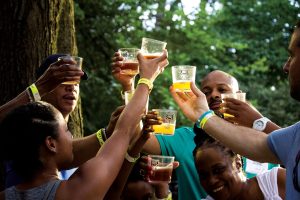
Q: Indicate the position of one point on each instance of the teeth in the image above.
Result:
(218, 189)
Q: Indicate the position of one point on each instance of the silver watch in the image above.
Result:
(260, 124)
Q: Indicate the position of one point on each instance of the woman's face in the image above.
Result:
(64, 141)
(218, 173)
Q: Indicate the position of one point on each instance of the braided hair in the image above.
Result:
(23, 132)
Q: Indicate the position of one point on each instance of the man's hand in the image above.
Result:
(126, 80)
(244, 113)
(193, 104)
(58, 72)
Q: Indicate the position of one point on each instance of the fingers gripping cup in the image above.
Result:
(182, 76)
(130, 64)
(169, 122)
(152, 48)
(239, 95)
(78, 63)
(162, 168)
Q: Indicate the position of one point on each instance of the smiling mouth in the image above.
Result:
(218, 189)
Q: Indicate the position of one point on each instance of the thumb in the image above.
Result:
(163, 56)
(196, 90)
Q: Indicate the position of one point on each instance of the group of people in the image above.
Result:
(210, 165)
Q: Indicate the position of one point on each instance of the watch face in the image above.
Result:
(259, 125)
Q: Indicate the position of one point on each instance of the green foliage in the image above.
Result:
(245, 38)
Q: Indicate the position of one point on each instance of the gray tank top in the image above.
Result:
(44, 192)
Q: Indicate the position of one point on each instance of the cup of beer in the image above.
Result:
(182, 76)
(130, 64)
(238, 95)
(168, 122)
(162, 168)
(78, 61)
(152, 48)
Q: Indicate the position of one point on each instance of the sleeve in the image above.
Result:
(280, 142)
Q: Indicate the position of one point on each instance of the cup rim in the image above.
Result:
(164, 109)
(131, 48)
(183, 66)
(161, 156)
(153, 40)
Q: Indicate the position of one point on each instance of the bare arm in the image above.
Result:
(281, 178)
(52, 77)
(245, 141)
(87, 147)
(94, 178)
(117, 188)
(245, 114)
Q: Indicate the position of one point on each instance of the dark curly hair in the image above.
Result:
(23, 131)
(203, 140)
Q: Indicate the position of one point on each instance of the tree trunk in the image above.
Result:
(30, 30)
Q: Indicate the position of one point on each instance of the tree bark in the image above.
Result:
(30, 30)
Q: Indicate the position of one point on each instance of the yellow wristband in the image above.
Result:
(99, 137)
(204, 120)
(147, 82)
(35, 92)
(131, 159)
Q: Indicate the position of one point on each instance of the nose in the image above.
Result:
(212, 180)
(286, 66)
(70, 87)
(215, 94)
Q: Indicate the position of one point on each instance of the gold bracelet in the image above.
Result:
(99, 137)
(147, 82)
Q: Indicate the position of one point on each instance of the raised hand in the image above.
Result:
(58, 72)
(126, 80)
(193, 104)
(151, 68)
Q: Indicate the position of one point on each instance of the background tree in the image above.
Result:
(30, 31)
(245, 38)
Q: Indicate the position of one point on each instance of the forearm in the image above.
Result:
(84, 149)
(245, 141)
(21, 99)
(152, 146)
(271, 126)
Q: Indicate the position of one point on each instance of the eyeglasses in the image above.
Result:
(295, 173)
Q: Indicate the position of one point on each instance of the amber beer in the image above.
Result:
(161, 174)
(164, 128)
(151, 56)
(130, 67)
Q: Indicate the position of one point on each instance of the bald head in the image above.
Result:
(221, 77)
(214, 84)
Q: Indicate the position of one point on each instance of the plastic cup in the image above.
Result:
(130, 64)
(162, 168)
(152, 48)
(182, 76)
(239, 95)
(169, 122)
(78, 61)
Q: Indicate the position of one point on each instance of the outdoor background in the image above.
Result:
(248, 39)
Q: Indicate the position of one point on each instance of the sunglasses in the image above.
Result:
(295, 173)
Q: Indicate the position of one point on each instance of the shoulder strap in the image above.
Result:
(50, 187)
